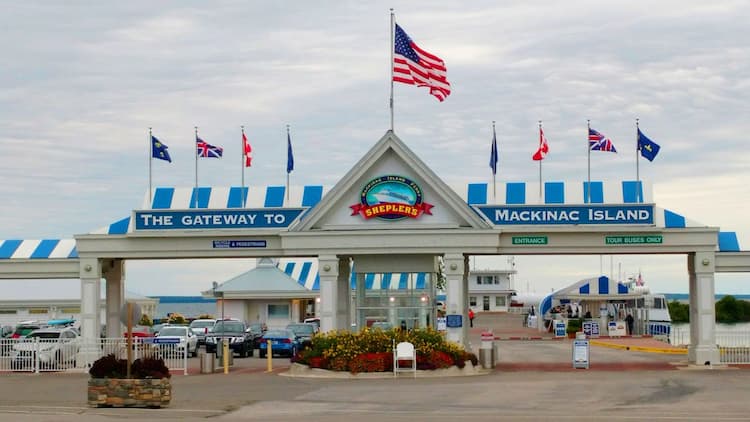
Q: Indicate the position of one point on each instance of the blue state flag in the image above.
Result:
(648, 148)
(159, 150)
(289, 154)
(493, 154)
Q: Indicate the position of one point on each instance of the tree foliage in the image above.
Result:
(730, 310)
(679, 312)
(146, 320)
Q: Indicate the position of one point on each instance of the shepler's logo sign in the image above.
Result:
(391, 198)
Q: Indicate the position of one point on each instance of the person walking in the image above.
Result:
(629, 321)
(471, 317)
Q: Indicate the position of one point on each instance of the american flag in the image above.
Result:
(599, 142)
(414, 66)
(204, 149)
(248, 150)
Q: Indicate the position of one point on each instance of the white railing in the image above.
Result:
(734, 346)
(43, 355)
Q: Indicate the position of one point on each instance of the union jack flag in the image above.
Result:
(599, 142)
(204, 149)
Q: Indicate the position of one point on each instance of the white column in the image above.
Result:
(359, 300)
(329, 272)
(456, 296)
(114, 275)
(344, 295)
(91, 273)
(702, 349)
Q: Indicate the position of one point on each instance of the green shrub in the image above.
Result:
(371, 350)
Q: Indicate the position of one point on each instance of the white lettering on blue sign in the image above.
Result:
(572, 214)
(215, 219)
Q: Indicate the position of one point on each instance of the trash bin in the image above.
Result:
(486, 351)
(207, 363)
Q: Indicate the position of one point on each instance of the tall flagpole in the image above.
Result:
(393, 29)
(494, 171)
(242, 165)
(150, 159)
(588, 148)
(637, 161)
(288, 140)
(540, 163)
(195, 193)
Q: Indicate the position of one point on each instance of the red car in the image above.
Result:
(140, 331)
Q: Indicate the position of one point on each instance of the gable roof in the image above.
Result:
(390, 148)
(265, 280)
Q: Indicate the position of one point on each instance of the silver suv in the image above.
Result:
(201, 327)
(54, 347)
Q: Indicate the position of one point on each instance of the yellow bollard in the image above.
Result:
(270, 356)
(225, 355)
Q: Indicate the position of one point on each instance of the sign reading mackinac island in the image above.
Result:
(215, 219)
(391, 198)
(568, 214)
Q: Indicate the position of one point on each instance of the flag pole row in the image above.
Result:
(203, 149)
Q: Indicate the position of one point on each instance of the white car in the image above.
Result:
(184, 338)
(52, 346)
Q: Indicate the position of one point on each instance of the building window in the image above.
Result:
(472, 301)
(278, 311)
(499, 300)
(38, 311)
(479, 279)
(8, 311)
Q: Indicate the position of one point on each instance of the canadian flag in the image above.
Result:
(543, 147)
(247, 149)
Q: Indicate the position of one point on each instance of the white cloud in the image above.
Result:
(85, 82)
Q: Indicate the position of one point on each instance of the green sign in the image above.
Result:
(634, 239)
(529, 240)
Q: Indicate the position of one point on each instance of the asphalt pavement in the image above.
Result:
(533, 380)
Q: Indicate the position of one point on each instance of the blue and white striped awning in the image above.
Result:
(305, 271)
(38, 249)
(596, 288)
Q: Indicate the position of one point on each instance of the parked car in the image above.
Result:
(381, 325)
(24, 328)
(52, 346)
(234, 331)
(200, 328)
(140, 331)
(257, 329)
(283, 342)
(315, 321)
(185, 336)
(303, 331)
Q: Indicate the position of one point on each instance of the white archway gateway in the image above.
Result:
(390, 213)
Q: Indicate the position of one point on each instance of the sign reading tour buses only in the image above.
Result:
(568, 214)
(391, 198)
(215, 219)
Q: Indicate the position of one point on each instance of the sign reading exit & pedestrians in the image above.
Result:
(633, 239)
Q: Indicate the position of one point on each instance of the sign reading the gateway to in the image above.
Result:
(568, 214)
(215, 219)
(391, 198)
(634, 239)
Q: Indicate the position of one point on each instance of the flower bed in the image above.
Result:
(148, 385)
(372, 350)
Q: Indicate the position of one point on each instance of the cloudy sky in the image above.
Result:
(82, 81)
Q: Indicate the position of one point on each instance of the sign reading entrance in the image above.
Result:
(215, 219)
(391, 198)
(529, 240)
(634, 239)
(568, 214)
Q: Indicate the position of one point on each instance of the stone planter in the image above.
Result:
(149, 392)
